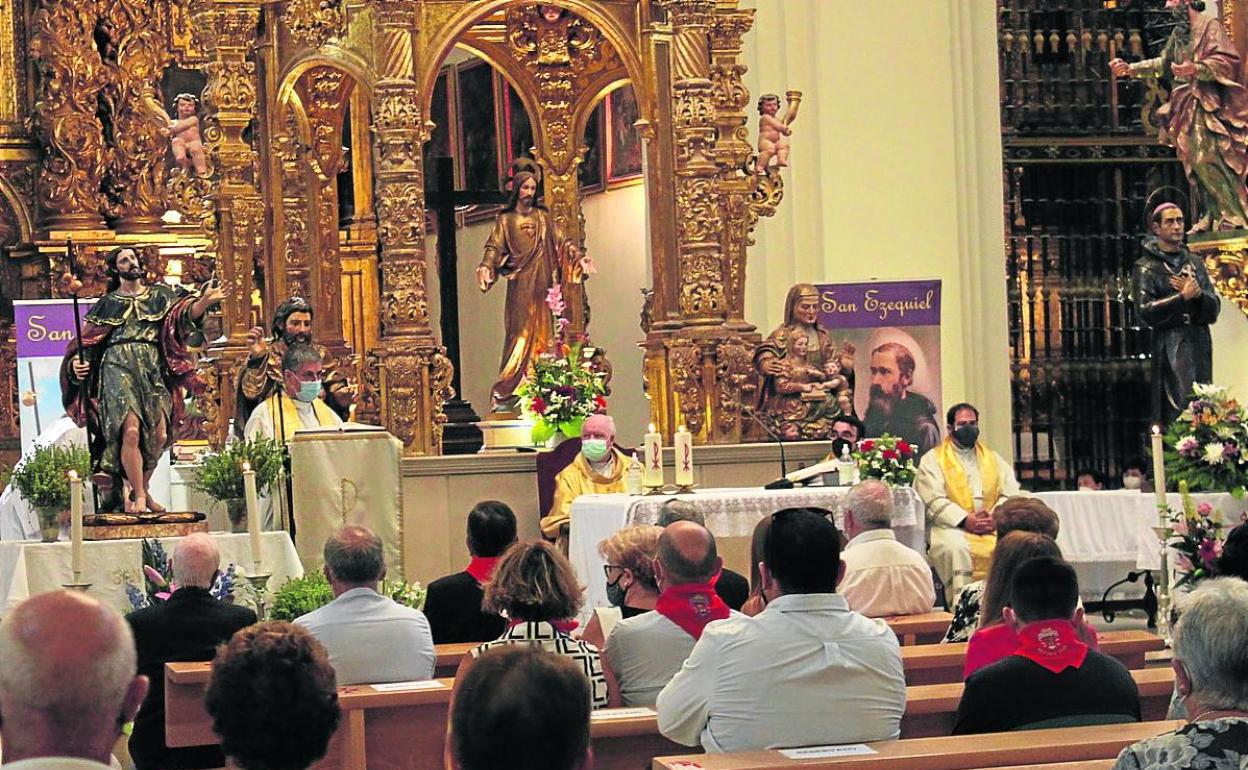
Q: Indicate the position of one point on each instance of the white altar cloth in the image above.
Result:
(29, 568)
(731, 512)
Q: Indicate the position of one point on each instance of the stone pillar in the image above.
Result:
(409, 373)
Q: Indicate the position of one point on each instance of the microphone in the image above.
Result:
(782, 482)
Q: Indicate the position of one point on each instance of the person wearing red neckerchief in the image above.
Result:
(453, 602)
(644, 652)
(1066, 682)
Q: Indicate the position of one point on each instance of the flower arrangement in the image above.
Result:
(42, 479)
(1207, 445)
(562, 389)
(299, 596)
(887, 458)
(220, 473)
(158, 583)
(1195, 537)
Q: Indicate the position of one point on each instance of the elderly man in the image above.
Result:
(188, 627)
(644, 652)
(370, 637)
(774, 679)
(598, 469)
(882, 576)
(67, 682)
(961, 481)
(731, 586)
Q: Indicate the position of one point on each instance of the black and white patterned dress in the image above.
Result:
(552, 640)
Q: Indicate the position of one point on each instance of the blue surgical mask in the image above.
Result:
(308, 391)
(594, 449)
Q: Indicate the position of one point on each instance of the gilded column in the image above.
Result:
(228, 29)
(412, 373)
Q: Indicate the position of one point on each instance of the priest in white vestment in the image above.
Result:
(960, 482)
(297, 405)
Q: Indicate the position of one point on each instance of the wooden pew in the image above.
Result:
(449, 656)
(941, 663)
(920, 629)
(993, 750)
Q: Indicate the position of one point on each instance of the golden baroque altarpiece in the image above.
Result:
(288, 86)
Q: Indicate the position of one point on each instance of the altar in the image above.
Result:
(112, 567)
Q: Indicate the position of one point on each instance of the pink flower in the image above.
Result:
(1208, 553)
(1188, 446)
(154, 576)
(554, 299)
(1229, 450)
(1204, 509)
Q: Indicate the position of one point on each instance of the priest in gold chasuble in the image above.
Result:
(533, 254)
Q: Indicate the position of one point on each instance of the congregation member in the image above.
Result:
(1018, 514)
(453, 602)
(1064, 682)
(643, 653)
(67, 683)
(632, 588)
(521, 708)
(1234, 559)
(731, 586)
(961, 481)
(369, 637)
(187, 627)
(994, 639)
(1211, 674)
(756, 601)
(882, 576)
(772, 680)
(536, 588)
(599, 468)
(272, 698)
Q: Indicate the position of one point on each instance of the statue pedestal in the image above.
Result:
(506, 435)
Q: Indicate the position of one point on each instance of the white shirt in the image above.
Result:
(930, 484)
(372, 638)
(645, 652)
(884, 577)
(807, 670)
(260, 423)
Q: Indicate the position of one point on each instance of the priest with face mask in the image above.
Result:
(296, 405)
(598, 469)
(960, 482)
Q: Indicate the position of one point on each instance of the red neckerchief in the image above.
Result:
(482, 567)
(562, 626)
(1054, 644)
(691, 606)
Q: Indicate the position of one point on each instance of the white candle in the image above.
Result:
(75, 523)
(652, 472)
(1159, 472)
(253, 515)
(684, 457)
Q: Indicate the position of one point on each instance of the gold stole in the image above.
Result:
(289, 418)
(958, 489)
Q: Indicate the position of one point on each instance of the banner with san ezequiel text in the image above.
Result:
(44, 328)
(894, 328)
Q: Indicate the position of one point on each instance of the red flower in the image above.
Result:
(867, 445)
(904, 447)
(601, 403)
(539, 405)
(889, 454)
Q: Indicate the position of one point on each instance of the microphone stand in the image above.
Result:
(783, 482)
(288, 512)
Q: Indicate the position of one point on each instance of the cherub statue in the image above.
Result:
(774, 131)
(183, 133)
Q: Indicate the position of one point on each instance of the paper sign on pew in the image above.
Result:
(623, 713)
(428, 684)
(823, 752)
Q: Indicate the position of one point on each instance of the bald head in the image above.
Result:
(599, 426)
(687, 554)
(354, 558)
(196, 561)
(67, 678)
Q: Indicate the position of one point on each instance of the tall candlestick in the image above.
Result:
(253, 514)
(652, 473)
(75, 524)
(684, 457)
(1159, 473)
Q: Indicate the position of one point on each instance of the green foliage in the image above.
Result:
(299, 596)
(41, 478)
(1207, 445)
(561, 392)
(221, 473)
(887, 458)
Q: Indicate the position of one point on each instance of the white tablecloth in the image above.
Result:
(728, 512)
(29, 568)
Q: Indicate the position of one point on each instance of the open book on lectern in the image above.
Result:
(346, 427)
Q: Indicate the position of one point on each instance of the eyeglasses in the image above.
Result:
(606, 570)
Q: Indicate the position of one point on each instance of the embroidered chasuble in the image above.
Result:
(343, 477)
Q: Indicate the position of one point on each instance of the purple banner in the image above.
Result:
(879, 303)
(45, 327)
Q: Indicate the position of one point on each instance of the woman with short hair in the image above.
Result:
(632, 588)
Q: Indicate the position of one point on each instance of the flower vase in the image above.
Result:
(555, 440)
(49, 523)
(236, 511)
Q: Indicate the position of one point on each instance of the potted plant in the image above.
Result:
(299, 596)
(220, 475)
(43, 481)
